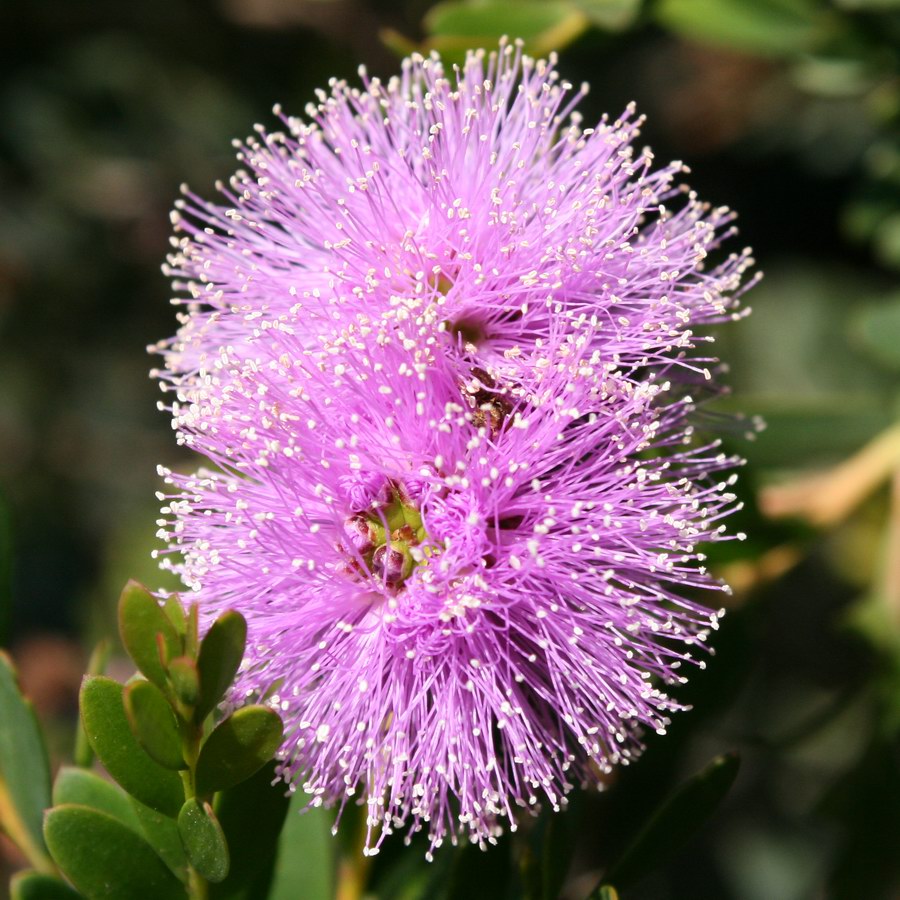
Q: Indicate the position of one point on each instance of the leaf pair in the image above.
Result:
(163, 642)
(160, 835)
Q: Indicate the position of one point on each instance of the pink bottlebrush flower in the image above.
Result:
(438, 349)
(472, 200)
(465, 609)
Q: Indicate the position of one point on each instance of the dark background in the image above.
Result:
(788, 111)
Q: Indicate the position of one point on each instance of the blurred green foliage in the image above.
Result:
(788, 110)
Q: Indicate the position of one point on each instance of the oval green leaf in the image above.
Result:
(75, 785)
(35, 886)
(239, 746)
(84, 756)
(110, 736)
(221, 652)
(141, 619)
(24, 769)
(175, 612)
(153, 723)
(185, 680)
(204, 841)
(104, 858)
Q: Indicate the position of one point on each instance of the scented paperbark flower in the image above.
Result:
(471, 202)
(461, 611)
(439, 346)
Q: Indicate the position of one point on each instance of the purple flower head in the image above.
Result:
(438, 353)
(499, 619)
(472, 202)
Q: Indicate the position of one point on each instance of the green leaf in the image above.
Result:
(878, 331)
(239, 746)
(31, 885)
(544, 25)
(175, 611)
(24, 770)
(185, 680)
(252, 840)
(611, 15)
(221, 652)
(675, 821)
(203, 839)
(75, 785)
(110, 736)
(141, 619)
(162, 834)
(310, 874)
(104, 858)
(84, 756)
(154, 724)
(764, 27)
(604, 892)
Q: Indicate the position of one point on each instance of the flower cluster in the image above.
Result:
(440, 345)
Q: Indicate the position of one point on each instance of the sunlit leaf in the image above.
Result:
(24, 769)
(543, 25)
(765, 27)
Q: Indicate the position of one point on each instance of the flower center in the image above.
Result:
(385, 536)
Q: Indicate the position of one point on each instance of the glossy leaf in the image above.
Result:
(84, 755)
(175, 611)
(239, 746)
(203, 840)
(76, 785)
(253, 840)
(104, 858)
(604, 892)
(675, 821)
(611, 15)
(153, 723)
(24, 769)
(110, 736)
(185, 680)
(141, 619)
(221, 652)
(37, 886)
(544, 25)
(774, 28)
(162, 834)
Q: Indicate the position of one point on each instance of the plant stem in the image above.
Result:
(198, 888)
